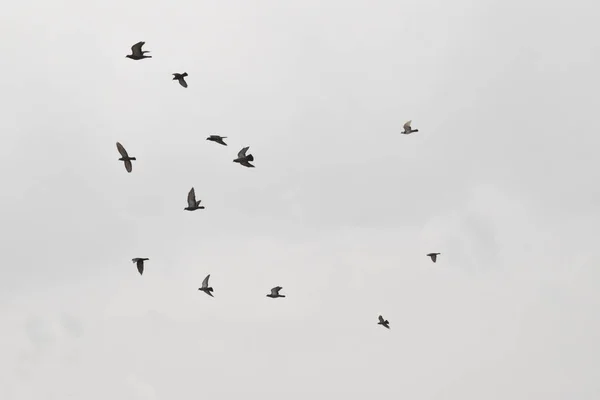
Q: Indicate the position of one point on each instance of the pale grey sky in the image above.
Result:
(341, 209)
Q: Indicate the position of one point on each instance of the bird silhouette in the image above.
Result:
(407, 129)
(217, 139)
(383, 322)
(205, 287)
(275, 292)
(192, 203)
(140, 264)
(244, 159)
(125, 157)
(433, 256)
(180, 78)
(137, 53)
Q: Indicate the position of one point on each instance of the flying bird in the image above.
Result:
(384, 322)
(192, 203)
(244, 159)
(433, 256)
(275, 292)
(180, 78)
(218, 139)
(137, 53)
(407, 129)
(125, 157)
(205, 287)
(140, 264)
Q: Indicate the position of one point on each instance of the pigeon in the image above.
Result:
(275, 292)
(192, 203)
(383, 322)
(433, 256)
(179, 77)
(244, 159)
(408, 130)
(218, 139)
(137, 53)
(205, 287)
(140, 264)
(125, 157)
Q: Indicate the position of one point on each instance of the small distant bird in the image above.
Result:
(125, 157)
(407, 129)
(137, 53)
(244, 159)
(275, 292)
(205, 287)
(192, 203)
(433, 256)
(180, 78)
(140, 264)
(384, 322)
(218, 139)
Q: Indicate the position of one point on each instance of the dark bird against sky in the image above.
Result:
(140, 264)
(180, 78)
(137, 53)
(244, 159)
(192, 203)
(217, 139)
(125, 157)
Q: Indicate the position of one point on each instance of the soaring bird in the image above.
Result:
(383, 322)
(125, 157)
(244, 159)
(218, 139)
(192, 203)
(275, 292)
(205, 287)
(137, 53)
(140, 264)
(180, 78)
(407, 129)
(433, 256)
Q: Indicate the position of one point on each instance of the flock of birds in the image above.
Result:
(242, 158)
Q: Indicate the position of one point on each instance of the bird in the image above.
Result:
(407, 129)
(180, 78)
(125, 157)
(205, 287)
(383, 322)
(218, 139)
(140, 264)
(433, 256)
(192, 203)
(275, 292)
(137, 53)
(244, 159)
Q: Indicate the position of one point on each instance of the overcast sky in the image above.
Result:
(501, 179)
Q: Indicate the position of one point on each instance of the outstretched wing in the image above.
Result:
(275, 290)
(140, 266)
(182, 82)
(122, 150)
(192, 198)
(247, 164)
(128, 165)
(242, 152)
(407, 126)
(205, 281)
(136, 49)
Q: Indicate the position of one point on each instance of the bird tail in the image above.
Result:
(282, 295)
(132, 158)
(210, 289)
(184, 74)
(415, 130)
(250, 157)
